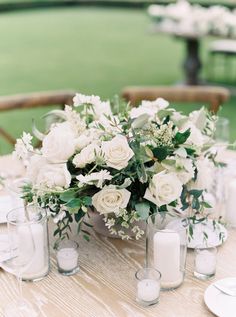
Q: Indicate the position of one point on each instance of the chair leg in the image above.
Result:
(227, 70)
(208, 66)
(7, 137)
(211, 66)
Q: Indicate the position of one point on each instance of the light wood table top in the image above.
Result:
(106, 287)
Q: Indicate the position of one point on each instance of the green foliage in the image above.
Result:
(161, 153)
(68, 195)
(181, 137)
(143, 210)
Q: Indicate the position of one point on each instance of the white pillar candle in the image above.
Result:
(205, 262)
(167, 257)
(38, 264)
(231, 203)
(67, 259)
(148, 290)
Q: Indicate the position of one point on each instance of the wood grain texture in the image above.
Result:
(212, 96)
(105, 285)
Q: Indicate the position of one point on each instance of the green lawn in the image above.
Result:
(90, 50)
(231, 3)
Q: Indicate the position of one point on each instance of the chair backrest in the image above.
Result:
(33, 100)
(213, 96)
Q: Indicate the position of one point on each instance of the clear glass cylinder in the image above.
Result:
(67, 257)
(40, 265)
(166, 250)
(205, 262)
(148, 286)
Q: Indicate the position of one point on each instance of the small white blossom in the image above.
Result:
(27, 139)
(97, 178)
(23, 147)
(113, 231)
(110, 223)
(80, 100)
(149, 107)
(75, 120)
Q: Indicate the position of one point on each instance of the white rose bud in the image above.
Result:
(163, 189)
(110, 199)
(117, 152)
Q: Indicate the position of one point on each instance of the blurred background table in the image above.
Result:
(105, 285)
(192, 63)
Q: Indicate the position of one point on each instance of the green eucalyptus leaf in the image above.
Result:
(196, 193)
(86, 237)
(143, 210)
(67, 195)
(87, 201)
(78, 216)
(181, 137)
(195, 204)
(206, 204)
(74, 203)
(161, 153)
(190, 151)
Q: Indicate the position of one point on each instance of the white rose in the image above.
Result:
(110, 199)
(87, 155)
(59, 145)
(53, 175)
(117, 152)
(164, 188)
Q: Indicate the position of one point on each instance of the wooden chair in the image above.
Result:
(33, 100)
(213, 96)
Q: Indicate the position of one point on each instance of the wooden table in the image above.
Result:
(105, 285)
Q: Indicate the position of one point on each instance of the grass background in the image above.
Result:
(91, 50)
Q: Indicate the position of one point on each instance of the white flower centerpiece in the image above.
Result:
(125, 163)
(184, 18)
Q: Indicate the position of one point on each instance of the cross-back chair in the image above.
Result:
(33, 100)
(214, 97)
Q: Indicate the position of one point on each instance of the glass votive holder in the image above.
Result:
(148, 286)
(205, 262)
(67, 257)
